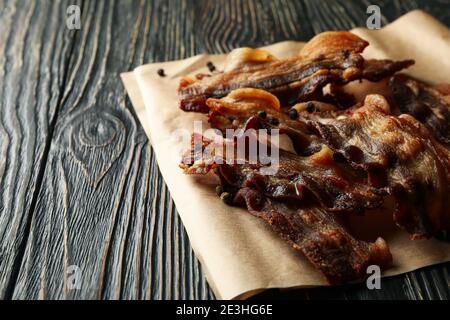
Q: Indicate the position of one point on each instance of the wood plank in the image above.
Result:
(102, 204)
(34, 49)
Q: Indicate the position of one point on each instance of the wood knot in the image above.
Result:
(97, 140)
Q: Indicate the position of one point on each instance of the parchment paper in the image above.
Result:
(238, 252)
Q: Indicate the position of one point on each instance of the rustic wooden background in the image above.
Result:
(78, 180)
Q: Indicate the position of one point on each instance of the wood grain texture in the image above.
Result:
(34, 53)
(79, 183)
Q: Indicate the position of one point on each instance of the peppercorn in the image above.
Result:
(346, 54)
(226, 198)
(211, 66)
(274, 121)
(161, 73)
(293, 114)
(262, 114)
(219, 190)
(310, 107)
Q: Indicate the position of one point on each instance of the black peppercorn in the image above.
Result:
(274, 121)
(310, 107)
(262, 114)
(211, 66)
(293, 114)
(226, 198)
(346, 54)
(161, 73)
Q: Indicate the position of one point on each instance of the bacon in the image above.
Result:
(331, 57)
(427, 104)
(299, 202)
(348, 157)
(376, 70)
(316, 179)
(400, 155)
(250, 108)
(318, 236)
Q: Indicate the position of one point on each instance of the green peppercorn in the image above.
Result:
(219, 190)
(226, 198)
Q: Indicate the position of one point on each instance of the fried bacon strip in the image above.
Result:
(400, 154)
(425, 103)
(318, 236)
(314, 179)
(249, 108)
(330, 57)
(288, 200)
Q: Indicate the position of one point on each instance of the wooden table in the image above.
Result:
(79, 184)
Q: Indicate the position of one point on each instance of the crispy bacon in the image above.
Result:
(315, 179)
(298, 201)
(318, 236)
(375, 70)
(349, 157)
(427, 104)
(398, 153)
(250, 108)
(330, 57)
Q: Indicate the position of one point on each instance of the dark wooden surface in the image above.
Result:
(79, 184)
